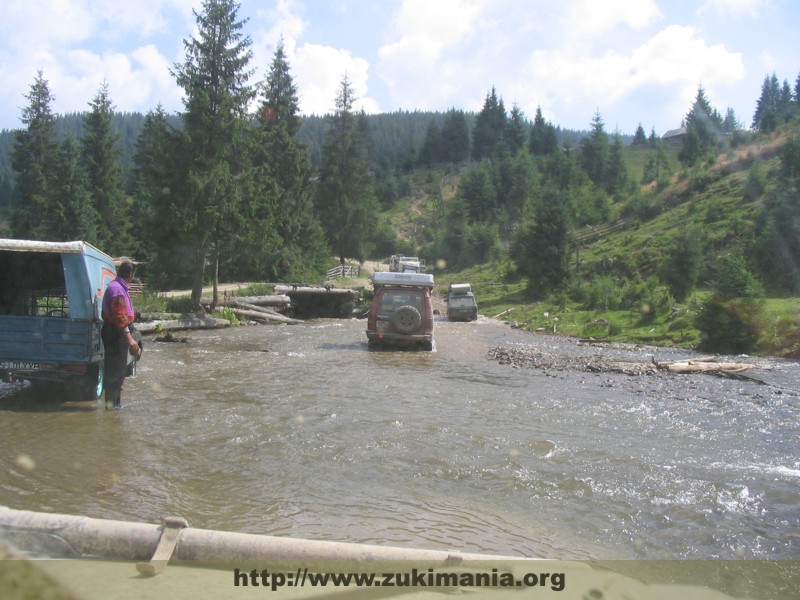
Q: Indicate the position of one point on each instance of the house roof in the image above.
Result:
(673, 133)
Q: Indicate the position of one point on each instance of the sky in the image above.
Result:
(633, 62)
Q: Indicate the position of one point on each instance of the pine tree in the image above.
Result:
(489, 127)
(455, 137)
(594, 152)
(34, 159)
(478, 194)
(796, 100)
(517, 193)
(431, 151)
(785, 102)
(287, 240)
(214, 77)
(616, 171)
(766, 115)
(658, 168)
(703, 128)
(542, 140)
(639, 138)
(541, 248)
(682, 264)
(100, 157)
(345, 198)
(515, 132)
(778, 229)
(730, 124)
(160, 189)
(75, 215)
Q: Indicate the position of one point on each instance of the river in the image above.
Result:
(301, 431)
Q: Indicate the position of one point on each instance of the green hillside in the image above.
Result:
(616, 292)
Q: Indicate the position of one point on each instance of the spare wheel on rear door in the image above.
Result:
(406, 319)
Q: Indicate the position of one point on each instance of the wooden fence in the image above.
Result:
(343, 271)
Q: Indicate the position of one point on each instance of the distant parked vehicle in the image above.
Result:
(461, 303)
(51, 296)
(401, 313)
(399, 263)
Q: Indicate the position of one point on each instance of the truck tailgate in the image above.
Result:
(48, 339)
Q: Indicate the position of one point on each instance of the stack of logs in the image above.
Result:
(262, 309)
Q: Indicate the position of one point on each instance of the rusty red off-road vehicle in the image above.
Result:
(401, 314)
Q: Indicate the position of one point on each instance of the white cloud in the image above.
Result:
(319, 72)
(78, 44)
(421, 67)
(571, 57)
(317, 69)
(425, 29)
(48, 22)
(675, 58)
(591, 17)
(743, 9)
(768, 60)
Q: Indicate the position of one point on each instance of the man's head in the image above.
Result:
(125, 270)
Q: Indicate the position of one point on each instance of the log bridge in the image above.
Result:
(309, 302)
(292, 303)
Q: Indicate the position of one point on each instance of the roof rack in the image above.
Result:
(414, 279)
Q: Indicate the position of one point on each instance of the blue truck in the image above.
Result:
(51, 295)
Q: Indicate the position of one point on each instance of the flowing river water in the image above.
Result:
(302, 431)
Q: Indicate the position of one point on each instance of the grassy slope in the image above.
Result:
(711, 198)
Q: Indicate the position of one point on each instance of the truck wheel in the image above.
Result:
(93, 382)
(406, 319)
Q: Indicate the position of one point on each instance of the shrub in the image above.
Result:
(728, 326)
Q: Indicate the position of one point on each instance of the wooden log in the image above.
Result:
(289, 289)
(224, 300)
(182, 323)
(264, 316)
(277, 300)
(691, 366)
(255, 307)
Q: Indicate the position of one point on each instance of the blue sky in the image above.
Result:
(633, 61)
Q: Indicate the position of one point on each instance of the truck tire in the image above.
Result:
(406, 319)
(93, 382)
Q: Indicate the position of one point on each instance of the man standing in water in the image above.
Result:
(118, 332)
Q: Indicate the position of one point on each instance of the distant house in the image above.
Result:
(674, 135)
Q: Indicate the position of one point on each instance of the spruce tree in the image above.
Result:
(100, 157)
(76, 217)
(478, 194)
(703, 128)
(455, 137)
(286, 239)
(616, 171)
(683, 263)
(594, 152)
(541, 248)
(431, 151)
(160, 189)
(489, 127)
(730, 124)
(345, 199)
(515, 131)
(639, 138)
(542, 141)
(766, 115)
(214, 77)
(34, 159)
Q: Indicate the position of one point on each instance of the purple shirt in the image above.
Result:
(117, 306)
